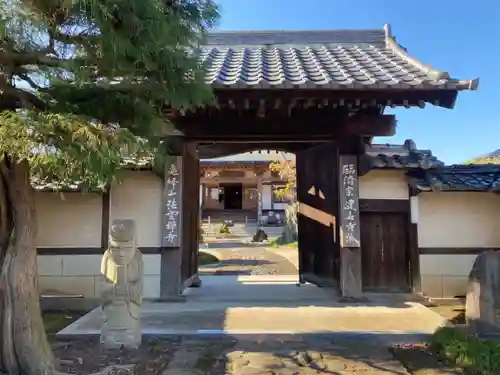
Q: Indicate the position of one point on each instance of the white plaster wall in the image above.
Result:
(80, 275)
(379, 184)
(68, 219)
(76, 222)
(267, 197)
(456, 220)
(139, 196)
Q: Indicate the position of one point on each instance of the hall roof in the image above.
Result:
(319, 59)
(405, 156)
(472, 177)
(382, 156)
(253, 156)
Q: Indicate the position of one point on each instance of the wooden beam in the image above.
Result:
(318, 127)
(384, 205)
(328, 97)
(454, 250)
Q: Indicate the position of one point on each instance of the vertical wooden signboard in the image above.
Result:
(172, 209)
(171, 240)
(350, 235)
(351, 285)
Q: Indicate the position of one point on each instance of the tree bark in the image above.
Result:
(24, 347)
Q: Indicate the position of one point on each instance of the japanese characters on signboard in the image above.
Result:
(349, 201)
(172, 209)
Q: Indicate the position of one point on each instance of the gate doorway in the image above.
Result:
(233, 196)
(384, 252)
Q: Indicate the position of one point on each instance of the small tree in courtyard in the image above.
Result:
(80, 81)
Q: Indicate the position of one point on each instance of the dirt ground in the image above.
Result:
(455, 313)
(54, 321)
(421, 360)
(85, 356)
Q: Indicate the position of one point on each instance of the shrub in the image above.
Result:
(478, 356)
(224, 229)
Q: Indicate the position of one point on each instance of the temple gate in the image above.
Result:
(320, 95)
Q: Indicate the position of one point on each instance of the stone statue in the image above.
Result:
(121, 292)
(482, 307)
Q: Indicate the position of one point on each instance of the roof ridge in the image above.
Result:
(294, 31)
(295, 37)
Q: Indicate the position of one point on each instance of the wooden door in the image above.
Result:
(190, 217)
(317, 195)
(384, 252)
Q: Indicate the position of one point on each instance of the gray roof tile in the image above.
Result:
(406, 156)
(472, 177)
(334, 59)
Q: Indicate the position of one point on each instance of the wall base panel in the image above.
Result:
(79, 275)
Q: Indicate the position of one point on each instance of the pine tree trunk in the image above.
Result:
(24, 347)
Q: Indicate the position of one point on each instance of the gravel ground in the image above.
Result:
(249, 261)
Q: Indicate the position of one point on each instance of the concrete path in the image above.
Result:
(273, 305)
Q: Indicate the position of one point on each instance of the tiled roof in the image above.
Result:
(334, 59)
(404, 156)
(470, 177)
(383, 156)
(254, 156)
(127, 163)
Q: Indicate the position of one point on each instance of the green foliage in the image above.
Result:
(287, 172)
(224, 229)
(85, 81)
(478, 356)
(207, 258)
(65, 149)
(485, 160)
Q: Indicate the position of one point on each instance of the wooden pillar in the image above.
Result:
(171, 252)
(413, 251)
(191, 278)
(349, 229)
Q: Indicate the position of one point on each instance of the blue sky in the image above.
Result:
(460, 37)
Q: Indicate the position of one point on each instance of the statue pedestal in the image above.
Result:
(120, 330)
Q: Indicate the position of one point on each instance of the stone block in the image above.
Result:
(67, 285)
(482, 308)
(446, 264)
(432, 285)
(82, 265)
(454, 286)
(152, 264)
(50, 265)
(151, 287)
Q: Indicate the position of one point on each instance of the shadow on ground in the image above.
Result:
(286, 354)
